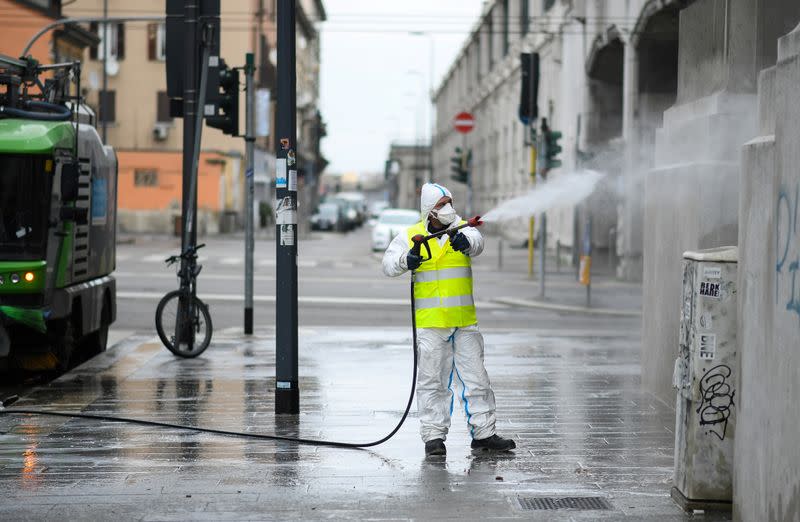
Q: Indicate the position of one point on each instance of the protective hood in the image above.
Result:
(430, 194)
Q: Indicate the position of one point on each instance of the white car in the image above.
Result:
(391, 222)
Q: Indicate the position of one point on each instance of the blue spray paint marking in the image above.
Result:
(452, 340)
(785, 237)
(449, 384)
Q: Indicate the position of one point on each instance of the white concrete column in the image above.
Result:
(629, 215)
(630, 90)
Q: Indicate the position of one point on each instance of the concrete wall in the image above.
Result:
(697, 156)
(767, 471)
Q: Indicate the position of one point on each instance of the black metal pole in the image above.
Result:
(287, 392)
(104, 103)
(191, 15)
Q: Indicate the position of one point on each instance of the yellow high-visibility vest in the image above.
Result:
(442, 286)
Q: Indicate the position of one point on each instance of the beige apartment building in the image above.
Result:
(133, 110)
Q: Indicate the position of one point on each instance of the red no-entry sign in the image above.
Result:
(464, 122)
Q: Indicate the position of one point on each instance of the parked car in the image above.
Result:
(358, 202)
(349, 210)
(328, 217)
(391, 222)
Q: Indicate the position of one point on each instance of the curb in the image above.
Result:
(524, 303)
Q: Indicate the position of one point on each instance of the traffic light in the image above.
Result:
(551, 147)
(225, 101)
(529, 88)
(460, 165)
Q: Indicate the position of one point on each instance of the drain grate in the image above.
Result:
(553, 503)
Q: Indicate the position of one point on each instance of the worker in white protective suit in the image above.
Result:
(450, 344)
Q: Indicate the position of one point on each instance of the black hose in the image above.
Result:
(51, 112)
(251, 435)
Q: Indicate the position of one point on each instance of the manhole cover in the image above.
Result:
(552, 503)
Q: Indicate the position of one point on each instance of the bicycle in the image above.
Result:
(182, 313)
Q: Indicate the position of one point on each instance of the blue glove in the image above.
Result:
(460, 243)
(413, 261)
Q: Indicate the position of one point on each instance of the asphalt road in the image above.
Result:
(340, 283)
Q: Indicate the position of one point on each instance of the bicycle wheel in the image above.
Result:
(167, 319)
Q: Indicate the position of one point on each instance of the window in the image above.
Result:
(478, 58)
(107, 105)
(490, 39)
(115, 44)
(145, 178)
(156, 42)
(505, 27)
(524, 18)
(547, 5)
(162, 107)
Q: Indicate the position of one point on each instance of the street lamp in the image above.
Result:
(419, 140)
(420, 136)
(431, 61)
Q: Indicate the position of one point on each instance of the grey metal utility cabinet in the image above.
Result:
(706, 380)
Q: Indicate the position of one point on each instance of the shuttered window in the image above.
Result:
(162, 113)
(116, 37)
(107, 106)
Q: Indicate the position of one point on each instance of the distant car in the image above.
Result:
(375, 209)
(391, 222)
(327, 217)
(358, 203)
(348, 215)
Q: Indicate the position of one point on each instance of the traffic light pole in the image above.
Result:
(190, 86)
(249, 139)
(540, 176)
(532, 173)
(287, 392)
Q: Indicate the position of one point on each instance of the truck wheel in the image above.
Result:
(97, 341)
(62, 341)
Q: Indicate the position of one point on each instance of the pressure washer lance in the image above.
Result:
(418, 240)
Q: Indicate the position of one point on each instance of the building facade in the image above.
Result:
(607, 73)
(407, 169)
(23, 18)
(133, 110)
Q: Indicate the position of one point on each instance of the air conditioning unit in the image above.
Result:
(160, 131)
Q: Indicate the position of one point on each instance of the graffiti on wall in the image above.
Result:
(787, 285)
(716, 400)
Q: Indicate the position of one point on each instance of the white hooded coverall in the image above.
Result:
(450, 359)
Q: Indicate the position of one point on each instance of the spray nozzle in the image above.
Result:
(475, 221)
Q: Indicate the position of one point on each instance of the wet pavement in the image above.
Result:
(571, 400)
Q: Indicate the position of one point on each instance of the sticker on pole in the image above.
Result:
(464, 122)
(709, 289)
(285, 212)
(707, 344)
(292, 181)
(280, 173)
(712, 272)
(287, 235)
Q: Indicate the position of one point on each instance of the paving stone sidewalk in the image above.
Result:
(571, 401)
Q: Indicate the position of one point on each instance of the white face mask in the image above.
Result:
(446, 215)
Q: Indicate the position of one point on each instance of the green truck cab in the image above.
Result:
(58, 187)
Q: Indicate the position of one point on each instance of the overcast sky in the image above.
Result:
(375, 76)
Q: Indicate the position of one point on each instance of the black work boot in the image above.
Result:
(435, 447)
(493, 443)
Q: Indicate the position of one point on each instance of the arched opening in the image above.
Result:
(604, 115)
